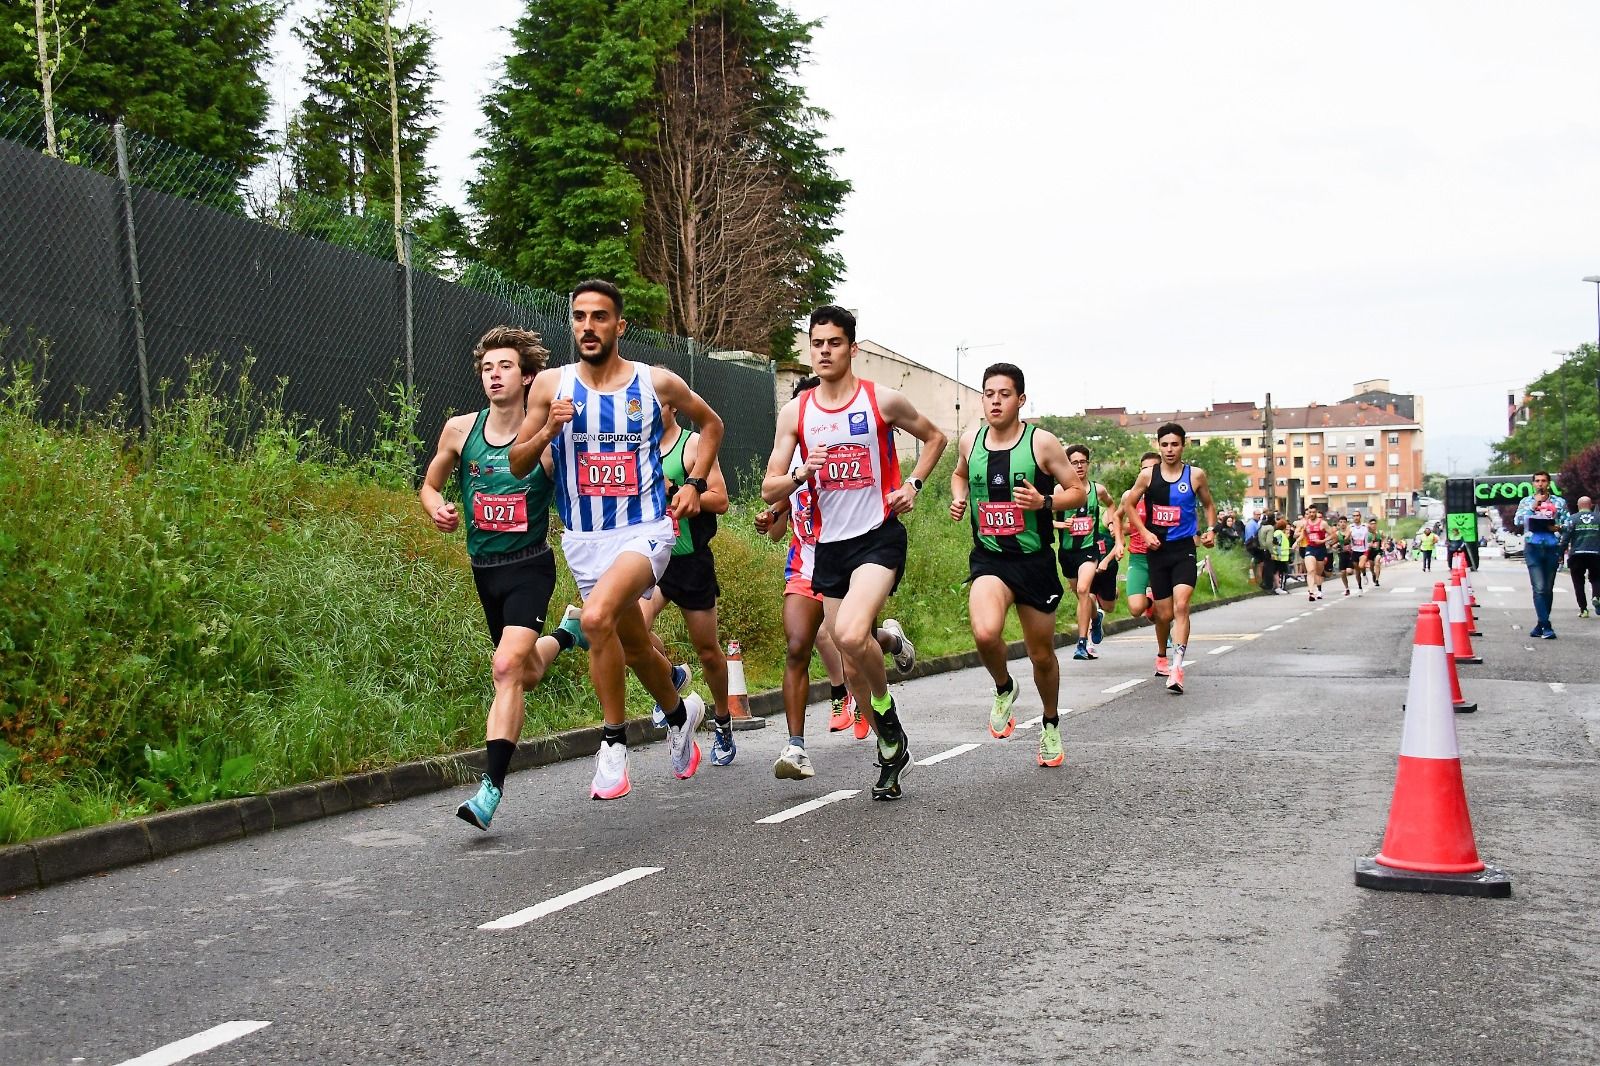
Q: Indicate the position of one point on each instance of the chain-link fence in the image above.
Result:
(131, 258)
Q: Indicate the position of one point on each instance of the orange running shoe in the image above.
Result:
(863, 727)
(843, 714)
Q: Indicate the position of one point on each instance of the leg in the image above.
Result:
(828, 651)
(987, 603)
(617, 637)
(1592, 565)
(1082, 584)
(1163, 623)
(1179, 606)
(702, 629)
(851, 620)
(1577, 568)
(802, 620)
(1039, 636)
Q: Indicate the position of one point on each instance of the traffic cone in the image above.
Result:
(1428, 845)
(1469, 600)
(1457, 700)
(739, 691)
(1458, 625)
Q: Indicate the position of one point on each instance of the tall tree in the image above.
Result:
(186, 71)
(556, 195)
(367, 116)
(1563, 417)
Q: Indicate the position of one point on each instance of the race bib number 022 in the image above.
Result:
(608, 474)
(848, 467)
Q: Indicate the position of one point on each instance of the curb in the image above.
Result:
(98, 849)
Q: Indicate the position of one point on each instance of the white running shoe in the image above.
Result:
(793, 764)
(610, 772)
(681, 745)
(906, 657)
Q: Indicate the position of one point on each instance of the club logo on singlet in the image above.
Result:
(858, 424)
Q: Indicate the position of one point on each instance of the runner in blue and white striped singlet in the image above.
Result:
(607, 459)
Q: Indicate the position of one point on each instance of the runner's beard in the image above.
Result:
(606, 352)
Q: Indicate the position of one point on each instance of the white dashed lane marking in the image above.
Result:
(1272, 629)
(1557, 687)
(808, 806)
(1114, 689)
(1221, 650)
(1038, 720)
(959, 749)
(577, 895)
(191, 1046)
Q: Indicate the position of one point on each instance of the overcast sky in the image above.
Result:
(1168, 204)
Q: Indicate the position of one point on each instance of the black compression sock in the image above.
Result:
(1001, 690)
(724, 723)
(500, 752)
(678, 715)
(566, 640)
(614, 734)
(1052, 721)
(839, 691)
(889, 724)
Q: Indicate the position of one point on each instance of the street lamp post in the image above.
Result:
(1595, 280)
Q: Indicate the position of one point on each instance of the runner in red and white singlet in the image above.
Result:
(1316, 534)
(1139, 598)
(844, 429)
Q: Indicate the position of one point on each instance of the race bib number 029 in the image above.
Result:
(999, 519)
(608, 474)
(849, 467)
(494, 512)
(1163, 515)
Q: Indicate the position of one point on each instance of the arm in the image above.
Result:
(451, 438)
(1114, 523)
(774, 517)
(715, 499)
(1070, 491)
(960, 477)
(779, 482)
(675, 391)
(1524, 508)
(1202, 489)
(1141, 484)
(899, 413)
(544, 419)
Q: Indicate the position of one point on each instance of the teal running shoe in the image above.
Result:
(479, 810)
(571, 622)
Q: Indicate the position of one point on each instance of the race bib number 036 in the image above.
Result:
(1163, 515)
(999, 519)
(849, 467)
(608, 474)
(494, 512)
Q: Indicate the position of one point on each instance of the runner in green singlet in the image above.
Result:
(1089, 557)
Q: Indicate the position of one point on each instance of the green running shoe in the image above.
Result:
(891, 768)
(1001, 720)
(1050, 753)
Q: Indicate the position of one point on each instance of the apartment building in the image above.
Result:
(1343, 457)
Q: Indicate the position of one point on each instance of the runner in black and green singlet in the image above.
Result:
(1008, 475)
(508, 522)
(1089, 554)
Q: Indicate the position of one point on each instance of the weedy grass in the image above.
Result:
(237, 603)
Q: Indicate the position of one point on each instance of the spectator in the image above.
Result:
(1281, 538)
(1252, 527)
(1540, 518)
(1580, 539)
(1264, 542)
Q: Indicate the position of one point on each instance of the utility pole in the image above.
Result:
(1272, 467)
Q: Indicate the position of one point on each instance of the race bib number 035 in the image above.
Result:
(849, 467)
(1080, 525)
(1163, 515)
(999, 519)
(494, 512)
(608, 474)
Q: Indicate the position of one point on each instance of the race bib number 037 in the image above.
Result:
(494, 512)
(1163, 515)
(999, 519)
(608, 474)
(849, 467)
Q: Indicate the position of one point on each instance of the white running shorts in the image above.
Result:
(590, 555)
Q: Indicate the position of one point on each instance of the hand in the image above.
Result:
(902, 499)
(446, 518)
(685, 502)
(1207, 539)
(1152, 543)
(813, 463)
(764, 520)
(958, 510)
(561, 412)
(1027, 497)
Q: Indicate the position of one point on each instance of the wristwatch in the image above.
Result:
(915, 483)
(797, 477)
(696, 483)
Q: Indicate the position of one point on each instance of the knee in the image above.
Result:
(1043, 659)
(509, 668)
(852, 641)
(798, 653)
(986, 634)
(598, 623)
(711, 656)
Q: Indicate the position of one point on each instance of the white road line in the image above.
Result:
(1556, 686)
(1397, 592)
(1124, 686)
(808, 806)
(1291, 618)
(959, 749)
(567, 899)
(1221, 650)
(1272, 629)
(191, 1046)
(1030, 723)
(1501, 588)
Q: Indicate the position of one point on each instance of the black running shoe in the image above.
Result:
(891, 769)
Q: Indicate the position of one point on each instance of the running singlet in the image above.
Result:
(802, 557)
(1172, 507)
(998, 524)
(504, 513)
(607, 459)
(697, 532)
(1083, 525)
(1358, 538)
(1316, 535)
(1135, 538)
(852, 488)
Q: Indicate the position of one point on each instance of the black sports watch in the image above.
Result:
(696, 483)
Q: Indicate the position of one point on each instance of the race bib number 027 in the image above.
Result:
(494, 512)
(848, 467)
(1163, 515)
(1000, 519)
(608, 474)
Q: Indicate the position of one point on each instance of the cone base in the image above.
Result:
(1469, 660)
(1465, 708)
(1474, 633)
(741, 724)
(1490, 883)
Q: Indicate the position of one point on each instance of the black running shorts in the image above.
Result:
(1171, 565)
(837, 560)
(690, 581)
(1031, 576)
(1317, 552)
(516, 593)
(1104, 584)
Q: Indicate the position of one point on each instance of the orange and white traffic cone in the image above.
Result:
(1457, 700)
(1428, 845)
(739, 691)
(1469, 601)
(1458, 624)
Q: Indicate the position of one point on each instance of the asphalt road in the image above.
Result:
(1180, 891)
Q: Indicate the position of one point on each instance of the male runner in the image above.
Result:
(845, 431)
(1425, 544)
(1374, 551)
(1315, 532)
(690, 581)
(1580, 541)
(802, 625)
(1360, 546)
(1541, 515)
(1341, 560)
(508, 520)
(1087, 560)
(602, 415)
(1173, 488)
(1140, 602)
(1018, 468)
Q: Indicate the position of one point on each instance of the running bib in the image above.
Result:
(1080, 525)
(1163, 515)
(495, 512)
(849, 467)
(999, 519)
(805, 527)
(608, 474)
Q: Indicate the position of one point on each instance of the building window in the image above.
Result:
(1282, 461)
(1283, 481)
(1371, 460)
(1394, 458)
(1333, 481)
(1316, 460)
(1394, 438)
(1244, 442)
(1372, 481)
(1333, 459)
(1349, 442)
(1394, 481)
(1349, 460)
(1299, 462)
(1280, 440)
(1371, 441)
(1246, 461)
(1316, 481)
(1261, 483)
(1299, 442)
(1316, 438)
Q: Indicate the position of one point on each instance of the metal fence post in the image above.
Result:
(691, 345)
(119, 136)
(405, 237)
